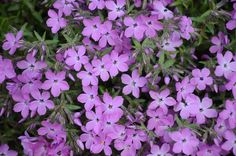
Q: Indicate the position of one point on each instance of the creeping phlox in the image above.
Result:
(130, 83)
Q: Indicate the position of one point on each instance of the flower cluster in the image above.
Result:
(129, 81)
(51, 141)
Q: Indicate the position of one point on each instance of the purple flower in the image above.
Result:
(107, 35)
(4, 150)
(118, 133)
(207, 150)
(219, 42)
(88, 77)
(92, 28)
(231, 85)
(135, 27)
(76, 119)
(33, 145)
(186, 28)
(56, 21)
(133, 83)
(157, 119)
(136, 137)
(31, 66)
(52, 131)
(64, 6)
(161, 100)
(112, 107)
(221, 126)
(126, 146)
(101, 143)
(185, 141)
(230, 143)
(171, 43)
(100, 68)
(163, 151)
(76, 58)
(201, 78)
(30, 84)
(184, 88)
(88, 138)
(12, 42)
(96, 119)
(185, 106)
(89, 97)
(226, 66)
(6, 69)
(116, 9)
(55, 82)
(99, 4)
(152, 25)
(22, 105)
(201, 109)
(229, 113)
(161, 11)
(232, 23)
(41, 102)
(117, 63)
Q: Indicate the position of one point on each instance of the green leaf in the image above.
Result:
(148, 43)
(168, 63)
(137, 44)
(178, 121)
(38, 36)
(104, 52)
(161, 58)
(72, 107)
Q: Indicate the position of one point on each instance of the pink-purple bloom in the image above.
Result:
(4, 150)
(133, 83)
(135, 27)
(12, 42)
(185, 141)
(55, 82)
(76, 57)
(41, 102)
(218, 43)
(56, 21)
(232, 23)
(226, 65)
(161, 100)
(6, 69)
(88, 76)
(116, 9)
(201, 78)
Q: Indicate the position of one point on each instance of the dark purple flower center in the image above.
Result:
(133, 83)
(149, 23)
(110, 106)
(31, 66)
(118, 9)
(209, 151)
(115, 62)
(184, 140)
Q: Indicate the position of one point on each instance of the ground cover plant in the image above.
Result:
(118, 77)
